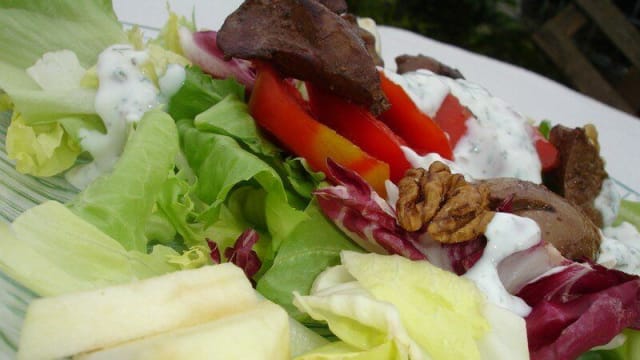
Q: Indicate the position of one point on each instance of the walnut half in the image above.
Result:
(451, 209)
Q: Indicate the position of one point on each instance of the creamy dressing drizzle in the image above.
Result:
(620, 248)
(506, 234)
(123, 96)
(498, 142)
(608, 202)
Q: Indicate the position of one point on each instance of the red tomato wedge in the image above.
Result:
(276, 109)
(419, 131)
(547, 152)
(359, 126)
(452, 118)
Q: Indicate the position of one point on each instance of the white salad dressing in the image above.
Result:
(506, 234)
(498, 142)
(426, 89)
(124, 95)
(608, 202)
(620, 248)
(172, 80)
(425, 161)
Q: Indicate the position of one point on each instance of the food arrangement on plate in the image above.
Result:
(272, 190)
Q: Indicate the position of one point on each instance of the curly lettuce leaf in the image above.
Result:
(120, 203)
(220, 164)
(52, 251)
(40, 150)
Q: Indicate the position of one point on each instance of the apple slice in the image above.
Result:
(73, 323)
(259, 333)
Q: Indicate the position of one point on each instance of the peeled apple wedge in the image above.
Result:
(75, 323)
(259, 333)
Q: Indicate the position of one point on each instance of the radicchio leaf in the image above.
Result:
(201, 48)
(243, 255)
(579, 307)
(363, 215)
(214, 251)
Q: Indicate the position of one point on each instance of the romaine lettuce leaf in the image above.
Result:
(52, 251)
(120, 203)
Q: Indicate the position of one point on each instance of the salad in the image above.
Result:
(280, 147)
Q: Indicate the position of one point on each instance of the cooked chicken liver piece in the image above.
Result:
(406, 63)
(305, 40)
(368, 38)
(337, 6)
(580, 174)
(562, 224)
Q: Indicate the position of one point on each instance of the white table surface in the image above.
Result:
(533, 95)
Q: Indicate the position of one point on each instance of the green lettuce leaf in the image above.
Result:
(52, 251)
(629, 212)
(230, 116)
(311, 247)
(199, 92)
(168, 37)
(120, 203)
(40, 150)
(220, 164)
(32, 28)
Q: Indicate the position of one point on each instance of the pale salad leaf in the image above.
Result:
(52, 251)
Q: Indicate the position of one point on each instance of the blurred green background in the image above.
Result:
(501, 29)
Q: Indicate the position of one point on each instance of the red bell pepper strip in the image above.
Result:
(359, 126)
(452, 118)
(415, 127)
(277, 109)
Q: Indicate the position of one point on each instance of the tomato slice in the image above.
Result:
(452, 118)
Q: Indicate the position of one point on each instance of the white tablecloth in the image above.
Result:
(531, 94)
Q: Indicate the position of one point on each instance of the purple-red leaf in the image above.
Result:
(363, 215)
(243, 255)
(214, 251)
(201, 49)
(579, 307)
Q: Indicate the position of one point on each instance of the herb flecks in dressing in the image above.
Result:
(124, 95)
(498, 142)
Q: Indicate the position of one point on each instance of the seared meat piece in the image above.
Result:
(367, 37)
(407, 63)
(305, 40)
(562, 224)
(337, 6)
(581, 172)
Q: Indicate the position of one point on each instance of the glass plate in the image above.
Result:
(19, 192)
